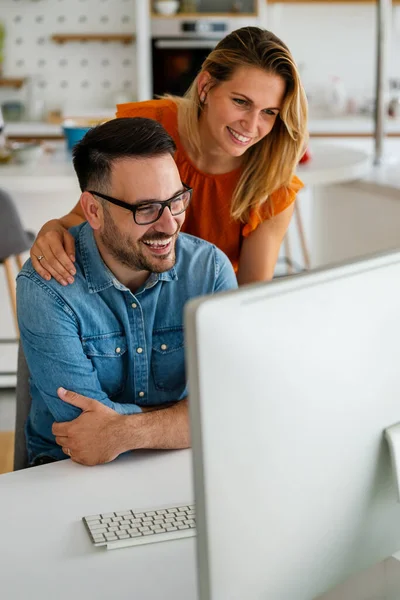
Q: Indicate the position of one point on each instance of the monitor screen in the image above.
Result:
(292, 385)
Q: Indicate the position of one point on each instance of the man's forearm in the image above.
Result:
(164, 429)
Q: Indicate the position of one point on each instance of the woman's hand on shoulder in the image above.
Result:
(53, 253)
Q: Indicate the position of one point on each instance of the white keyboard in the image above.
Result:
(133, 528)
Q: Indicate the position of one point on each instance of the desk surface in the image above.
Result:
(46, 553)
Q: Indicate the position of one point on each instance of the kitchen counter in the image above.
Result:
(350, 125)
(54, 171)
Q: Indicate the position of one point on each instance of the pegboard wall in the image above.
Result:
(74, 75)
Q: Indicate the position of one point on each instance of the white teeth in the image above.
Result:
(158, 244)
(239, 137)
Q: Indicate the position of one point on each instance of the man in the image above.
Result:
(115, 337)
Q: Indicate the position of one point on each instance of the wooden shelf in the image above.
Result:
(12, 82)
(123, 38)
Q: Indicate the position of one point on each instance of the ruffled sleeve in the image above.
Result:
(277, 203)
(137, 109)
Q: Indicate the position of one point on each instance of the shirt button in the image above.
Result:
(134, 305)
(118, 350)
(164, 346)
(139, 350)
(141, 394)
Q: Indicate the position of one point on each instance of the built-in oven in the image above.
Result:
(180, 45)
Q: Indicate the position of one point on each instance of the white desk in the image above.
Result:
(46, 553)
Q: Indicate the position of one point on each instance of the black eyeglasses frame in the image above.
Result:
(134, 207)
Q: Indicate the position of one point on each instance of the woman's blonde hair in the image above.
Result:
(269, 164)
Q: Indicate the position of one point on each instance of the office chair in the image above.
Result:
(23, 407)
(13, 241)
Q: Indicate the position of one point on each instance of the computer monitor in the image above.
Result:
(292, 384)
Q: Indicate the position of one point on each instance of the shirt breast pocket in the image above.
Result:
(109, 356)
(168, 360)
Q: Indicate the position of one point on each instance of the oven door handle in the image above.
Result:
(171, 44)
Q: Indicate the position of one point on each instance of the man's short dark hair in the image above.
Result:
(134, 137)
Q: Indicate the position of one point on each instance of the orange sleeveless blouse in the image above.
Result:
(208, 215)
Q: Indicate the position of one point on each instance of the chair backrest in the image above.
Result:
(13, 238)
(23, 408)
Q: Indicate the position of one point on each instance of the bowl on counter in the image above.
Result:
(74, 132)
(24, 153)
(166, 7)
(74, 128)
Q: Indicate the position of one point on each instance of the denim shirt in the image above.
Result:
(97, 338)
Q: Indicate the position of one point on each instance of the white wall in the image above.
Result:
(331, 39)
(82, 75)
(326, 39)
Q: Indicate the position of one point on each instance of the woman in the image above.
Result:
(240, 131)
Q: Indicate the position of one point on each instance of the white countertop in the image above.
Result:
(349, 124)
(54, 171)
(51, 172)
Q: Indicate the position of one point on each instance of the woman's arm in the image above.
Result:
(260, 249)
(57, 247)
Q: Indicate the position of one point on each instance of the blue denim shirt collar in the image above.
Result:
(98, 275)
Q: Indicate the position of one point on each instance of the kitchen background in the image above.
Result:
(327, 39)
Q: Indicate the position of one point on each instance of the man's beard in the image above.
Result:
(130, 254)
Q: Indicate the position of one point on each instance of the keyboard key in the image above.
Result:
(169, 520)
(96, 530)
(121, 535)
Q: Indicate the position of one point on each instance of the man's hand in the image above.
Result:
(93, 437)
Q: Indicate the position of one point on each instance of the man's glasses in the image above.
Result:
(146, 213)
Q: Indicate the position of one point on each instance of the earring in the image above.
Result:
(202, 98)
